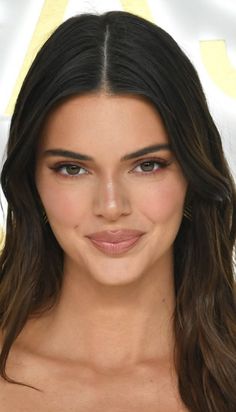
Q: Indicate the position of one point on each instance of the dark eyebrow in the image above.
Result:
(80, 156)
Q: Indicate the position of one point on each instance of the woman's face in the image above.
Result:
(111, 187)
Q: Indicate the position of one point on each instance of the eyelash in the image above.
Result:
(162, 164)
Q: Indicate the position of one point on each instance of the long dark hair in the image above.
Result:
(118, 52)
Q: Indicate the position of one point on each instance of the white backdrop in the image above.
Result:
(205, 29)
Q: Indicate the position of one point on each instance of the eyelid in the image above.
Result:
(161, 161)
(78, 163)
(62, 163)
(152, 159)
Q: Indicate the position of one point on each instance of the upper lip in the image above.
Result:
(115, 236)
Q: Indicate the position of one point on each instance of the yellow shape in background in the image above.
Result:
(138, 7)
(50, 17)
(218, 65)
(2, 239)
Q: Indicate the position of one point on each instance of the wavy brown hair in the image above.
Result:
(120, 53)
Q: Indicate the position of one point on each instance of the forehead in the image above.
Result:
(96, 121)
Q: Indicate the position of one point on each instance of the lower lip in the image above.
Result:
(115, 248)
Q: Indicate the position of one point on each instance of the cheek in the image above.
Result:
(163, 202)
(63, 204)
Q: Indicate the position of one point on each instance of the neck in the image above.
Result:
(111, 328)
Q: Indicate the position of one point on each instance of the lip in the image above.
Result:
(115, 248)
(115, 242)
(115, 236)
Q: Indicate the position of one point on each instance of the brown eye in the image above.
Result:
(69, 170)
(72, 169)
(147, 166)
(150, 166)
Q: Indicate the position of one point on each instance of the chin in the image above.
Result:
(116, 278)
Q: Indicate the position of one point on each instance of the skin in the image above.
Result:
(114, 313)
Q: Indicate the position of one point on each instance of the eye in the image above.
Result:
(69, 169)
(150, 166)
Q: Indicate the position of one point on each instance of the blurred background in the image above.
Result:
(205, 29)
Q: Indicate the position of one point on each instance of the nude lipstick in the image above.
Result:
(115, 242)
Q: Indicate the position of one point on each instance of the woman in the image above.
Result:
(117, 287)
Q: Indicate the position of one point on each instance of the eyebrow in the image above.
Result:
(81, 156)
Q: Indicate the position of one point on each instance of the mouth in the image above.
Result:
(115, 248)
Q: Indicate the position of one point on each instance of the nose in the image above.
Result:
(111, 200)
